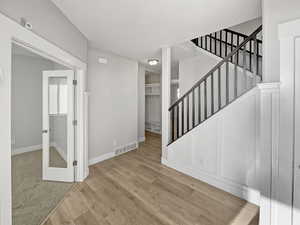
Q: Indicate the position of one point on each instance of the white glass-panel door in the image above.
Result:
(58, 130)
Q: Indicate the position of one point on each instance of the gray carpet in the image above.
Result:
(33, 198)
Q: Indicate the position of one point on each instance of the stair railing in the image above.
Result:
(223, 84)
(224, 41)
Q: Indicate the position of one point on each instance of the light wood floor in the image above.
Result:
(135, 189)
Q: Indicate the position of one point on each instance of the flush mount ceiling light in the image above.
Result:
(153, 62)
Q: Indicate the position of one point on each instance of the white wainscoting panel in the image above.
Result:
(222, 151)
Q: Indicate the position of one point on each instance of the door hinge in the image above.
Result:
(75, 163)
(74, 122)
(74, 82)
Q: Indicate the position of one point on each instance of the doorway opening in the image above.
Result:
(43, 134)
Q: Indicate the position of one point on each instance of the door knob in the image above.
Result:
(44, 131)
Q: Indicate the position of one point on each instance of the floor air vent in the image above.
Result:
(126, 148)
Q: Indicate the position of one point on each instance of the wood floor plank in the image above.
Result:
(136, 189)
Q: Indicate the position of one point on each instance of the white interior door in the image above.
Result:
(296, 206)
(58, 127)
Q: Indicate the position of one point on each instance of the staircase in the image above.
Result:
(236, 74)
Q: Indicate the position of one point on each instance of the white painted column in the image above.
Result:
(268, 150)
(166, 98)
(288, 34)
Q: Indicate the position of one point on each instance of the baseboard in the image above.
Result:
(122, 149)
(142, 139)
(244, 192)
(22, 150)
(164, 161)
(101, 158)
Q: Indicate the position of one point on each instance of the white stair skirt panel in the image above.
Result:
(223, 150)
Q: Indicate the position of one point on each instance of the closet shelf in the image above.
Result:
(152, 94)
(152, 85)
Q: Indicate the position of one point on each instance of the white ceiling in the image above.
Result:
(139, 28)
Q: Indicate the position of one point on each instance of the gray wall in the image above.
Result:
(274, 13)
(27, 100)
(48, 22)
(113, 104)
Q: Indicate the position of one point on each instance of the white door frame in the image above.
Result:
(288, 33)
(13, 32)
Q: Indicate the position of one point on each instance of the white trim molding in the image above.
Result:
(268, 149)
(101, 158)
(289, 36)
(117, 151)
(15, 33)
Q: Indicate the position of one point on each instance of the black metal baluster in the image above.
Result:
(210, 43)
(235, 76)
(172, 124)
(226, 43)
(201, 42)
(177, 123)
(221, 38)
(231, 46)
(245, 67)
(215, 43)
(188, 112)
(205, 100)
(199, 103)
(205, 42)
(255, 62)
(182, 117)
(250, 59)
(238, 52)
(227, 82)
(219, 87)
(212, 94)
(257, 58)
(193, 108)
